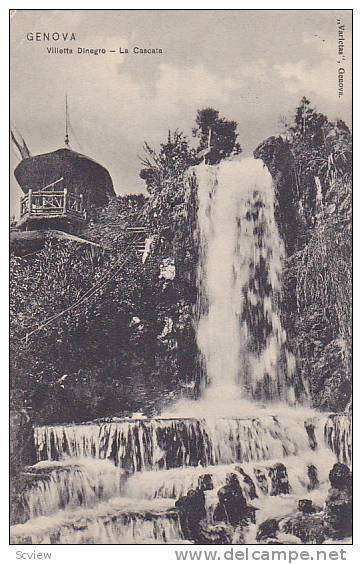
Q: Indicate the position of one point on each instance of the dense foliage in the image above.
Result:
(312, 165)
(106, 356)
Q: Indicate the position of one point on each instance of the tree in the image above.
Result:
(169, 163)
(216, 132)
(308, 122)
(322, 151)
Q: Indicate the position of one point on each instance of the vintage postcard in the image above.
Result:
(180, 279)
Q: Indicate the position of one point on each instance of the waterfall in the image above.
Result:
(174, 483)
(117, 481)
(69, 483)
(121, 521)
(239, 329)
(338, 436)
(101, 505)
(156, 444)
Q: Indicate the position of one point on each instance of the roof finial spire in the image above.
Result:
(66, 141)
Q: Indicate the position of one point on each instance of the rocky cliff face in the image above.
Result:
(312, 174)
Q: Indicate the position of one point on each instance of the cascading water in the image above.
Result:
(159, 444)
(69, 483)
(239, 329)
(117, 481)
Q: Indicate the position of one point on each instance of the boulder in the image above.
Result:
(192, 509)
(310, 428)
(262, 480)
(313, 478)
(273, 480)
(307, 507)
(232, 507)
(338, 513)
(215, 534)
(340, 477)
(248, 482)
(267, 531)
(309, 528)
(338, 505)
(205, 482)
(279, 479)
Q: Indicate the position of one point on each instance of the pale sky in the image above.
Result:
(252, 65)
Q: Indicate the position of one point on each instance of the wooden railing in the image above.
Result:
(49, 204)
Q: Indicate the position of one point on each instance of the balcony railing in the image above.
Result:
(52, 204)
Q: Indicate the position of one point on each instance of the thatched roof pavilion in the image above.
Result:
(80, 174)
(60, 188)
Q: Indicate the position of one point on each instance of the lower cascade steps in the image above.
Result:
(117, 482)
(121, 521)
(150, 444)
